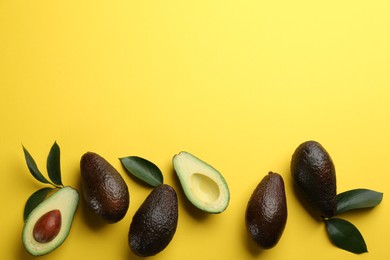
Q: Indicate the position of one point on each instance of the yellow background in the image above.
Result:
(240, 84)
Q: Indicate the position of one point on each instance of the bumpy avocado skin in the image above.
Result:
(314, 178)
(104, 189)
(266, 213)
(155, 222)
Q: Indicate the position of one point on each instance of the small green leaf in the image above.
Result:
(345, 235)
(53, 164)
(143, 170)
(32, 166)
(34, 200)
(357, 199)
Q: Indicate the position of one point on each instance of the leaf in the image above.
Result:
(143, 169)
(357, 199)
(32, 166)
(53, 164)
(34, 200)
(345, 235)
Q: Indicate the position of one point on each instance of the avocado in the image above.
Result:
(103, 188)
(314, 177)
(48, 225)
(266, 212)
(203, 185)
(155, 222)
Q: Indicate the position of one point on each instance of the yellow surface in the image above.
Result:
(240, 84)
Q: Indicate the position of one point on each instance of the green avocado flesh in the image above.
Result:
(63, 204)
(203, 185)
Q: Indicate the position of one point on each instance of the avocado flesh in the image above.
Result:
(104, 189)
(154, 224)
(314, 179)
(203, 185)
(266, 213)
(65, 200)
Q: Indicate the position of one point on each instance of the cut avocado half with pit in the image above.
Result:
(48, 225)
(203, 185)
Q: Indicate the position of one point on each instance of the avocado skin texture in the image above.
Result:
(266, 212)
(104, 189)
(155, 222)
(314, 178)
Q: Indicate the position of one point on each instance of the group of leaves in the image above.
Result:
(54, 173)
(343, 233)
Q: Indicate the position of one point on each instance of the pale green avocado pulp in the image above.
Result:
(203, 185)
(65, 200)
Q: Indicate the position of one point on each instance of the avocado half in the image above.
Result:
(65, 200)
(203, 185)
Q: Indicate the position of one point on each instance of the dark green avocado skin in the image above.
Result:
(314, 178)
(266, 212)
(155, 222)
(103, 188)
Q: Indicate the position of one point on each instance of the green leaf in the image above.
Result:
(32, 166)
(53, 164)
(34, 200)
(143, 169)
(345, 235)
(357, 199)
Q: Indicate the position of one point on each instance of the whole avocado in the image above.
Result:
(155, 222)
(314, 178)
(104, 189)
(266, 212)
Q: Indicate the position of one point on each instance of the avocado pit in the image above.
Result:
(47, 227)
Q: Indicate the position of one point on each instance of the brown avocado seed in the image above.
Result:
(47, 227)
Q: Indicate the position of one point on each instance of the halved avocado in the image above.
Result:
(48, 225)
(203, 185)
